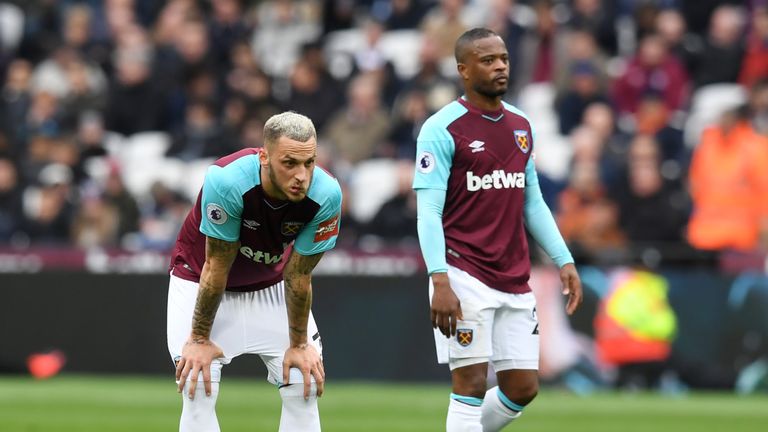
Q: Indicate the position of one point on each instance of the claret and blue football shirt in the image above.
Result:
(480, 165)
(233, 206)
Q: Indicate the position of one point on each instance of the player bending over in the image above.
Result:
(241, 274)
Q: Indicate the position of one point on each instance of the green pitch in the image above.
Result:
(85, 404)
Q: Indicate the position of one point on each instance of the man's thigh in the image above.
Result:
(472, 343)
(516, 334)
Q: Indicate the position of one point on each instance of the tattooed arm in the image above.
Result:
(298, 300)
(199, 351)
(219, 256)
(298, 295)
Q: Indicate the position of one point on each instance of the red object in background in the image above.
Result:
(46, 365)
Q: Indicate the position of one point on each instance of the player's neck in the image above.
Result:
(482, 102)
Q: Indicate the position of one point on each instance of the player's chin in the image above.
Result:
(500, 89)
(296, 196)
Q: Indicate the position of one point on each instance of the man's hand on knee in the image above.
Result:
(197, 356)
(308, 361)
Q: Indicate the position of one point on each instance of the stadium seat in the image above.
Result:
(537, 102)
(371, 184)
(142, 159)
(708, 103)
(192, 180)
(11, 26)
(401, 47)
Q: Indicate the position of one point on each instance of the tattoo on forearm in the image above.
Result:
(219, 256)
(298, 295)
(207, 304)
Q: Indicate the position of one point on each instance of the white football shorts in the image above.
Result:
(246, 323)
(498, 327)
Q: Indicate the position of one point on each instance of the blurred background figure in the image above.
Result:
(729, 187)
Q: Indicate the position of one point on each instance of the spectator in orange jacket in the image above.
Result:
(729, 186)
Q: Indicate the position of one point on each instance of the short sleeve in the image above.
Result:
(221, 206)
(434, 156)
(320, 234)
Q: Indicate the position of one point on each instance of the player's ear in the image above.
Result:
(264, 156)
(462, 68)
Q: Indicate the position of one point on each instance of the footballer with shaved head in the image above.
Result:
(477, 192)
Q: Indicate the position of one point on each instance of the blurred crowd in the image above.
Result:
(651, 115)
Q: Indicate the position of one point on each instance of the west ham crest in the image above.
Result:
(522, 141)
(289, 229)
(464, 336)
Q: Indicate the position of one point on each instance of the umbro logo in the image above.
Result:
(250, 224)
(477, 146)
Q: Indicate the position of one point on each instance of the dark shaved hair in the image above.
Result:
(465, 41)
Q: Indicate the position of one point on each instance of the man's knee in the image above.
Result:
(470, 380)
(295, 385)
(521, 392)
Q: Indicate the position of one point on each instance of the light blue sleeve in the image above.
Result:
(539, 220)
(430, 203)
(221, 205)
(320, 234)
(434, 157)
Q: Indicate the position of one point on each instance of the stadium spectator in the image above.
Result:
(338, 15)
(359, 130)
(586, 216)
(443, 24)
(95, 223)
(10, 200)
(598, 17)
(654, 119)
(409, 115)
(755, 64)
(50, 207)
(395, 222)
(226, 27)
(403, 14)
(247, 80)
(652, 70)
(581, 55)
(162, 214)
(16, 100)
(544, 48)
(504, 18)
(653, 211)
(729, 187)
(721, 56)
(684, 45)
(200, 136)
(313, 92)
(116, 196)
(44, 116)
(439, 88)
(135, 102)
(583, 89)
(90, 141)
